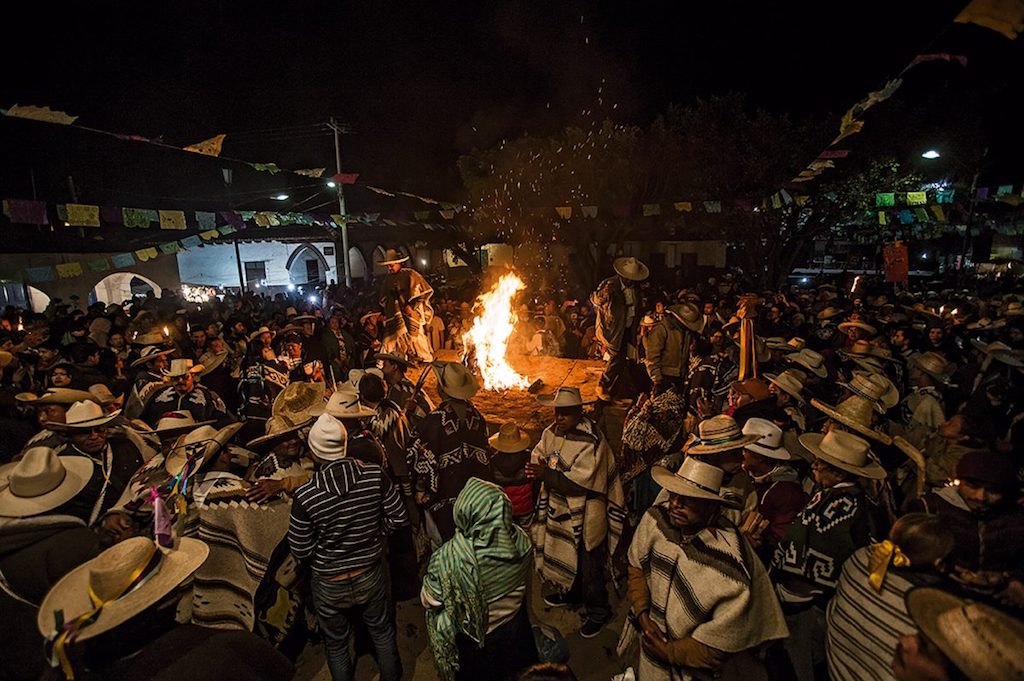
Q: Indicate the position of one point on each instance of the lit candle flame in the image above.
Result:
(166, 332)
(490, 333)
(856, 281)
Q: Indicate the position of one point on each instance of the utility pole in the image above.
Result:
(228, 177)
(341, 204)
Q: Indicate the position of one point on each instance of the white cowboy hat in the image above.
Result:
(509, 438)
(356, 375)
(982, 642)
(455, 380)
(328, 438)
(693, 479)
(42, 481)
(149, 353)
(789, 383)
(56, 396)
(718, 434)
(84, 415)
(845, 451)
(180, 367)
(259, 332)
(138, 564)
(769, 442)
(563, 397)
(174, 423)
(631, 268)
(392, 257)
(299, 400)
(213, 439)
(809, 359)
(344, 404)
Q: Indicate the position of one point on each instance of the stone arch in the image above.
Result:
(119, 286)
(301, 276)
(37, 300)
(357, 263)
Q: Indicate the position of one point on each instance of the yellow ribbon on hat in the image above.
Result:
(748, 353)
(883, 555)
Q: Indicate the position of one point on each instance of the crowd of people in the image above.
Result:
(811, 483)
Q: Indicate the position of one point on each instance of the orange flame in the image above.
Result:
(490, 333)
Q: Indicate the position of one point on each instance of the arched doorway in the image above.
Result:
(307, 265)
(37, 300)
(356, 263)
(121, 286)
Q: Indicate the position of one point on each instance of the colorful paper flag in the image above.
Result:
(906, 217)
(683, 206)
(82, 215)
(801, 200)
(834, 153)
(885, 199)
(713, 206)
(271, 168)
(137, 217)
(650, 209)
(776, 200)
(944, 195)
(922, 214)
(37, 274)
(210, 147)
(450, 214)
(589, 211)
(111, 215)
(68, 270)
(1004, 189)
(170, 248)
(421, 215)
(191, 241)
(25, 212)
(917, 198)
(345, 178)
(205, 219)
(232, 218)
(146, 254)
(981, 194)
(224, 230)
(1002, 16)
(311, 172)
(122, 260)
(564, 212)
(40, 113)
(881, 218)
(172, 219)
(99, 265)
(209, 234)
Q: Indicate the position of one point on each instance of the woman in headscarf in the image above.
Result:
(475, 589)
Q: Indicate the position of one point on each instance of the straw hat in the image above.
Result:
(56, 396)
(150, 338)
(875, 387)
(990, 348)
(344, 404)
(719, 434)
(5, 359)
(299, 400)
(693, 479)
(42, 481)
(278, 429)
(356, 375)
(214, 439)
(396, 357)
(564, 397)
(778, 343)
(630, 268)
(102, 394)
(174, 423)
(259, 332)
(328, 438)
(149, 353)
(180, 367)
(854, 412)
(688, 315)
(209, 361)
(83, 416)
(789, 383)
(933, 364)
(857, 324)
(392, 257)
(455, 380)
(1013, 309)
(105, 578)
(769, 442)
(980, 640)
(829, 312)
(509, 438)
(845, 451)
(809, 359)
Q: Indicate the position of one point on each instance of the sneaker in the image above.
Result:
(590, 628)
(557, 600)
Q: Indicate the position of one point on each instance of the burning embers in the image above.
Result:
(487, 340)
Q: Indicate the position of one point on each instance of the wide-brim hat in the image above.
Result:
(844, 451)
(855, 412)
(213, 439)
(302, 318)
(180, 367)
(83, 416)
(149, 353)
(809, 359)
(174, 423)
(978, 639)
(564, 397)
(67, 396)
(42, 481)
(719, 434)
(875, 387)
(278, 429)
(858, 324)
(829, 312)
(933, 364)
(789, 384)
(344, 404)
(688, 315)
(509, 439)
(392, 257)
(150, 338)
(396, 357)
(455, 380)
(299, 400)
(694, 478)
(259, 332)
(630, 268)
(5, 359)
(209, 361)
(110, 571)
(770, 442)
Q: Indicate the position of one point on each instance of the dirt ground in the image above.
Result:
(589, 658)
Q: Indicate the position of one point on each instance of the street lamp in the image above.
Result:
(931, 154)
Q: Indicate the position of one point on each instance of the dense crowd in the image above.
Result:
(811, 483)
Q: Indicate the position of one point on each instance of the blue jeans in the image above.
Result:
(363, 597)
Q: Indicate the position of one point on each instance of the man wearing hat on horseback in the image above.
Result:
(617, 304)
(405, 300)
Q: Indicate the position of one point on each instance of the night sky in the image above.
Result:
(421, 83)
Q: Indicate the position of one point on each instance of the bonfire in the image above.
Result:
(486, 342)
